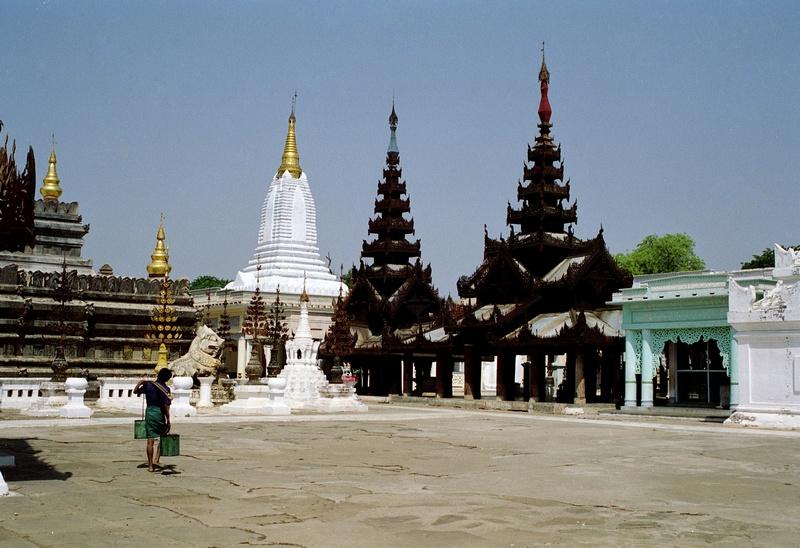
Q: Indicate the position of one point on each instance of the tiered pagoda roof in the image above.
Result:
(392, 290)
(391, 251)
(541, 223)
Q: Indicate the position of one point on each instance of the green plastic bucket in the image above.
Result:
(139, 433)
(170, 445)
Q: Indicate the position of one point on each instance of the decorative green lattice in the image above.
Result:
(690, 335)
(636, 335)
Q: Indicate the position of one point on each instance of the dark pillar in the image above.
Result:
(505, 375)
(537, 388)
(444, 375)
(408, 374)
(472, 372)
(526, 381)
(392, 377)
(580, 378)
(568, 394)
(607, 376)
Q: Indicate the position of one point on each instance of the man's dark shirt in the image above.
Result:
(154, 396)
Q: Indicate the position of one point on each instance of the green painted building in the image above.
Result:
(679, 347)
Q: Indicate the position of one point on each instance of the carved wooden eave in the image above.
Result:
(580, 333)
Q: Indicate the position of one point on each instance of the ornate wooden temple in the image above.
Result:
(16, 199)
(52, 301)
(392, 303)
(541, 292)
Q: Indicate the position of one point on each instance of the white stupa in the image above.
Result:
(304, 379)
(306, 385)
(287, 239)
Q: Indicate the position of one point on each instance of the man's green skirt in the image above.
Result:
(154, 424)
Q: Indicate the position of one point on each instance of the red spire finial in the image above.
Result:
(544, 80)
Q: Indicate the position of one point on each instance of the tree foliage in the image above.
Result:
(205, 282)
(667, 253)
(765, 259)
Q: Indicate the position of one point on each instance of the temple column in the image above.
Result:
(527, 380)
(444, 375)
(472, 372)
(580, 378)
(672, 367)
(630, 369)
(607, 376)
(733, 372)
(243, 354)
(647, 369)
(505, 375)
(408, 374)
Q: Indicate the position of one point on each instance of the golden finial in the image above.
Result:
(159, 261)
(304, 295)
(290, 161)
(51, 188)
(544, 74)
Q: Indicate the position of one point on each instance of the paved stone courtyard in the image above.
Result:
(404, 476)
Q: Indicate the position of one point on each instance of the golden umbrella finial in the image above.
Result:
(304, 295)
(51, 187)
(290, 161)
(159, 261)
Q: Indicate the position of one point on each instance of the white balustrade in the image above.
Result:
(19, 392)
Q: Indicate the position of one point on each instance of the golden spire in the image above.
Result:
(159, 261)
(304, 294)
(290, 161)
(51, 189)
(544, 74)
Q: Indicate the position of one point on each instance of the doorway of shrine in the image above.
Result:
(692, 375)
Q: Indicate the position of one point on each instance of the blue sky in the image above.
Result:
(673, 116)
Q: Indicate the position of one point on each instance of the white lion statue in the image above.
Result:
(203, 356)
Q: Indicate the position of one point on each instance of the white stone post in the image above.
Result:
(181, 395)
(647, 369)
(205, 392)
(733, 371)
(3, 485)
(75, 389)
(630, 369)
(242, 355)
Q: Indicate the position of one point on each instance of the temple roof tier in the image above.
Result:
(392, 205)
(392, 186)
(547, 191)
(548, 217)
(544, 150)
(393, 247)
(541, 172)
(396, 225)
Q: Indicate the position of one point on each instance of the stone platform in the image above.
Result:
(401, 476)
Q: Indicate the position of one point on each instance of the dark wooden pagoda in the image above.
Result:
(542, 291)
(392, 303)
(16, 199)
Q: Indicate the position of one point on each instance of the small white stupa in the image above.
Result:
(306, 384)
(287, 239)
(304, 379)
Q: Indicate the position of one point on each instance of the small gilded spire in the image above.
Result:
(304, 295)
(545, 111)
(159, 261)
(290, 161)
(544, 74)
(393, 126)
(51, 187)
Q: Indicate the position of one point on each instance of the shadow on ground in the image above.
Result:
(29, 466)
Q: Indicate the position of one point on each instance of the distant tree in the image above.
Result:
(765, 259)
(667, 253)
(205, 282)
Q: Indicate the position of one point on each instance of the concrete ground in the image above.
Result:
(403, 476)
